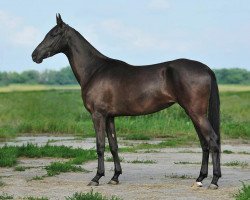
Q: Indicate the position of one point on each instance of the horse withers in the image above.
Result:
(112, 88)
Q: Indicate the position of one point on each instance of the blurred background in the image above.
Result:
(216, 33)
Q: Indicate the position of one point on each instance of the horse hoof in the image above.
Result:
(197, 184)
(113, 182)
(213, 187)
(93, 183)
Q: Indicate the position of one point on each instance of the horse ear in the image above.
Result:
(59, 20)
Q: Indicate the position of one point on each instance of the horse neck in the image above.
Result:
(84, 59)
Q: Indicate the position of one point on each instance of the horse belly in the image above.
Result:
(144, 103)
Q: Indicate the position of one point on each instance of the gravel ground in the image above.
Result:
(164, 179)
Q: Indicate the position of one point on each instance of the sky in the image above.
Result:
(139, 32)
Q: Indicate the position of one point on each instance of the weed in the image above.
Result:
(90, 196)
(5, 196)
(56, 168)
(9, 154)
(186, 163)
(244, 193)
(236, 163)
(142, 161)
(38, 178)
(187, 151)
(78, 156)
(183, 176)
(110, 159)
(151, 151)
(128, 149)
(136, 136)
(19, 168)
(52, 141)
(36, 198)
(228, 152)
(2, 183)
(244, 152)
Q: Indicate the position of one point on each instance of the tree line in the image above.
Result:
(65, 76)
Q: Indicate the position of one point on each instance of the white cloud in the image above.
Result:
(26, 36)
(16, 31)
(9, 21)
(134, 36)
(158, 4)
(143, 40)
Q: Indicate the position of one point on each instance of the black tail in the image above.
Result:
(214, 108)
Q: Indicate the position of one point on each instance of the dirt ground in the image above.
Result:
(167, 178)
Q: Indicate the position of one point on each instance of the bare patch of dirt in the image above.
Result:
(161, 180)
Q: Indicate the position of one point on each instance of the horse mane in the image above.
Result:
(87, 45)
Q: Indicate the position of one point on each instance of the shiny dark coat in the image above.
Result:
(112, 88)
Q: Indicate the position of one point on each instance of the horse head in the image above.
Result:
(54, 42)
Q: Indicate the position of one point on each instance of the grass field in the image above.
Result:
(18, 87)
(59, 110)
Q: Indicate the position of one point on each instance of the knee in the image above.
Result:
(100, 150)
(205, 149)
(113, 150)
(214, 147)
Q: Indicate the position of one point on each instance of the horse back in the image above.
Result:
(123, 89)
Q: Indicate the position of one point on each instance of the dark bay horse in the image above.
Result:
(112, 88)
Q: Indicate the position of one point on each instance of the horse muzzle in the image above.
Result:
(36, 58)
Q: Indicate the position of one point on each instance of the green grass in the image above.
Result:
(27, 87)
(9, 154)
(231, 152)
(137, 136)
(186, 163)
(151, 151)
(187, 151)
(56, 168)
(38, 178)
(76, 196)
(229, 164)
(137, 161)
(20, 168)
(183, 176)
(90, 196)
(244, 193)
(244, 152)
(2, 183)
(236, 164)
(110, 159)
(61, 111)
(227, 152)
(5, 196)
(36, 198)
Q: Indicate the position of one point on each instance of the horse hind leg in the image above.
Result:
(209, 141)
(205, 159)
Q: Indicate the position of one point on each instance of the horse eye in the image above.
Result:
(54, 33)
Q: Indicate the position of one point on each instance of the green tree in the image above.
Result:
(30, 76)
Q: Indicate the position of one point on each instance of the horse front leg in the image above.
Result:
(110, 127)
(100, 125)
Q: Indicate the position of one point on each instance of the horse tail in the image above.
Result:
(214, 108)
